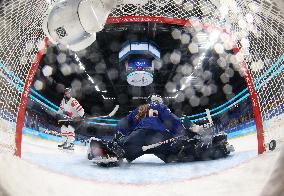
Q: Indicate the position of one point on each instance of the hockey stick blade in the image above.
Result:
(113, 111)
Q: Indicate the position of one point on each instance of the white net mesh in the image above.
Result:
(257, 28)
(265, 59)
(255, 25)
(20, 37)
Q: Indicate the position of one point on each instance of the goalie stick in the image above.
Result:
(144, 148)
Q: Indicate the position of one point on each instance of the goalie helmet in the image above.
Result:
(154, 98)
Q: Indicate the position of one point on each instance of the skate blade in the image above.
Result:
(66, 150)
(104, 160)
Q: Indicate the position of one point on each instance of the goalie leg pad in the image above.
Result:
(102, 155)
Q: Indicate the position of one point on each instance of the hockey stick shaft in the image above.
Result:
(112, 113)
(144, 148)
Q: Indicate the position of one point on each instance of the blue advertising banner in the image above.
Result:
(34, 133)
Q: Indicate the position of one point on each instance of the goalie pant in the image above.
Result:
(73, 109)
(134, 142)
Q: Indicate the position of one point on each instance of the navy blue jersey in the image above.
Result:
(158, 118)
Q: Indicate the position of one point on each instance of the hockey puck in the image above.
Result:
(272, 145)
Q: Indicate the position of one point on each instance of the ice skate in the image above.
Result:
(69, 147)
(102, 155)
(62, 145)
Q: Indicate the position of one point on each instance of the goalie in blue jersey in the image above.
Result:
(149, 129)
(149, 124)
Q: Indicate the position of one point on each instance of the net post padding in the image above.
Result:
(247, 76)
(24, 98)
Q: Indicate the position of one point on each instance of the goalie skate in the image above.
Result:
(60, 146)
(69, 147)
(66, 148)
(100, 154)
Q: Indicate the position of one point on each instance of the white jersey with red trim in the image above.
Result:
(71, 108)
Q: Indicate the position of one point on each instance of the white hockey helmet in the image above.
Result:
(154, 98)
(67, 92)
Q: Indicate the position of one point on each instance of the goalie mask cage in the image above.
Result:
(256, 26)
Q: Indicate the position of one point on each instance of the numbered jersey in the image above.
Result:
(158, 118)
(71, 108)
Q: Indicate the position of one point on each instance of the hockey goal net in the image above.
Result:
(256, 27)
(21, 42)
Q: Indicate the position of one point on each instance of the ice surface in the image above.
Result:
(147, 169)
(45, 170)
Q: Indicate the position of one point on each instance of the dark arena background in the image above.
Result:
(217, 64)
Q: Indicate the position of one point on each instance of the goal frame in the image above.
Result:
(24, 98)
(129, 19)
(247, 76)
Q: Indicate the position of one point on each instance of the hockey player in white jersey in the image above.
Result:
(70, 107)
